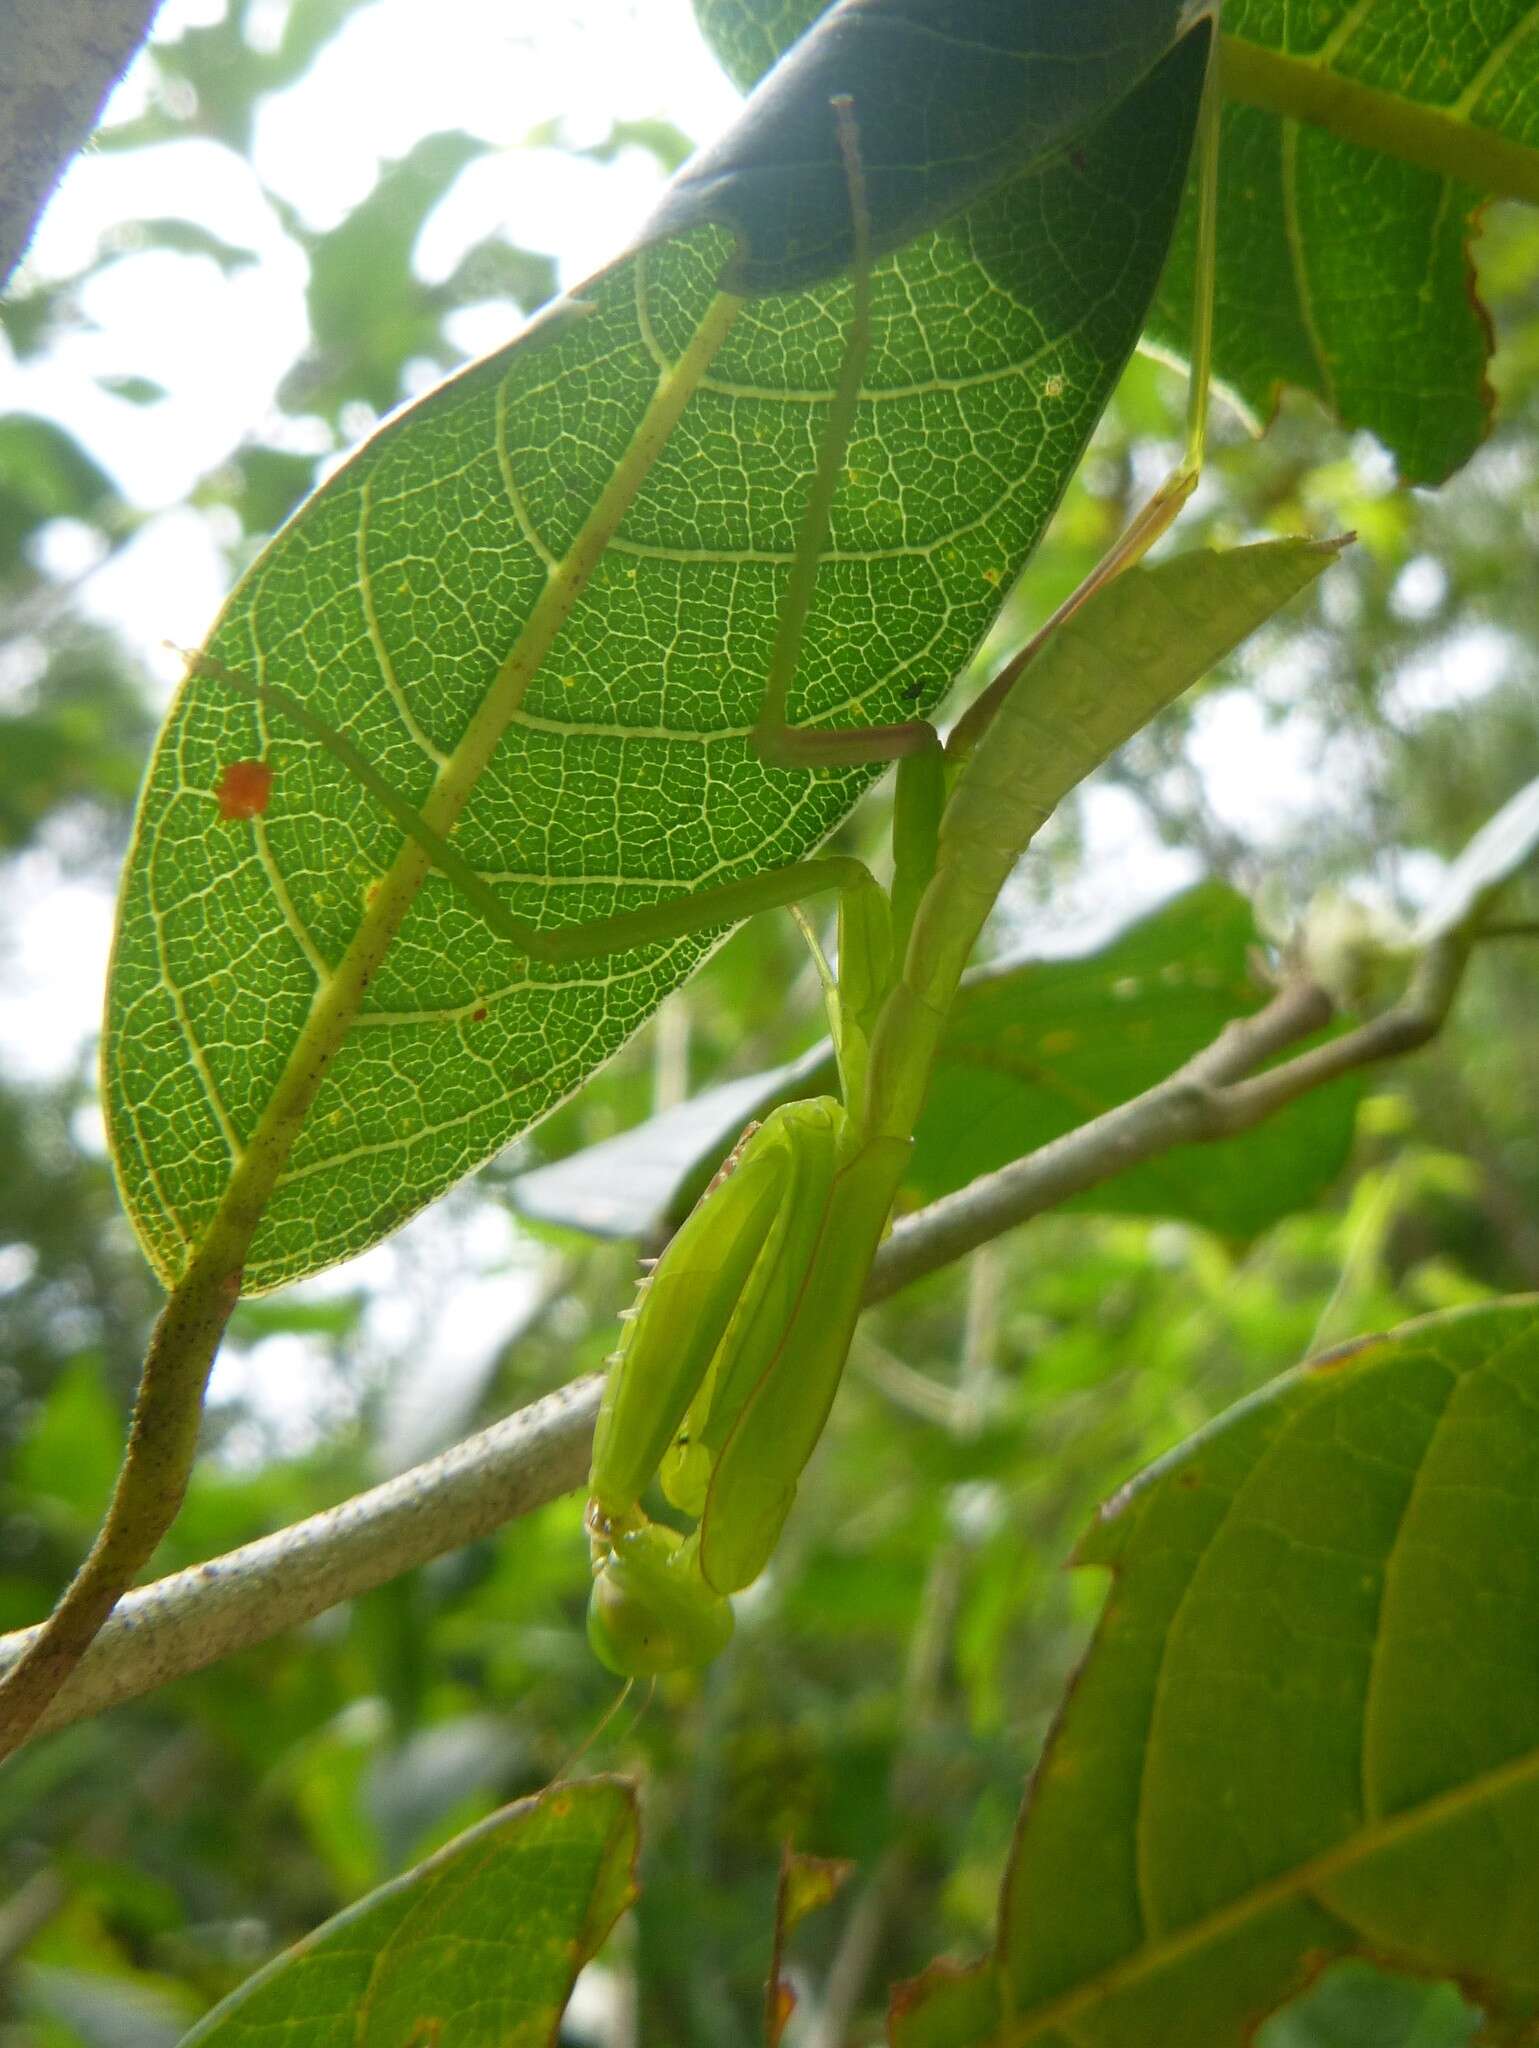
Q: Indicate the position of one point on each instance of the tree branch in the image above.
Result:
(192, 1618)
(1217, 1094)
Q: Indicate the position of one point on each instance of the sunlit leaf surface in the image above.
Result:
(397, 596)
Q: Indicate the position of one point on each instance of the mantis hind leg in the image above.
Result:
(776, 740)
(779, 742)
(1160, 512)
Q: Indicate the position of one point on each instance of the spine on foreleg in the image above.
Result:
(681, 1312)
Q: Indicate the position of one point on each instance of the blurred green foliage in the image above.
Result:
(893, 1678)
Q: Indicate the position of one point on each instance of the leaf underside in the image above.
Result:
(1309, 1723)
(478, 1947)
(627, 776)
(1342, 270)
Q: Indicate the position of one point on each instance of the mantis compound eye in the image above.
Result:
(651, 1611)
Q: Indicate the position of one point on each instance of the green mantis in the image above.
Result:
(729, 1363)
(724, 1378)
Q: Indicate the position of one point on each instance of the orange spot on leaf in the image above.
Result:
(243, 789)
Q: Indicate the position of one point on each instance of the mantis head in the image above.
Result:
(650, 1609)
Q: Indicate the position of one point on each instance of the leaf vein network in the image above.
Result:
(783, 558)
(1294, 236)
(181, 1236)
(1496, 58)
(1152, 1920)
(196, 1055)
(288, 911)
(574, 1061)
(511, 491)
(1342, 33)
(376, 635)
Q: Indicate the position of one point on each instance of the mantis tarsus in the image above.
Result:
(727, 1369)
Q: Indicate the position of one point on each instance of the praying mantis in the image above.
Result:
(730, 1360)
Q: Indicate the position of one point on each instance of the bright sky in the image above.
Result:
(219, 345)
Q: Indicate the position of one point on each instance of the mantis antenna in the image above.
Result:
(570, 1763)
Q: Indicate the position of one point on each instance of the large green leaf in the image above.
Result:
(1341, 268)
(1454, 86)
(1355, 2005)
(476, 1948)
(1033, 1048)
(403, 600)
(1309, 1724)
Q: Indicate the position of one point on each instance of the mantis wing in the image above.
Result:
(774, 1429)
(682, 1313)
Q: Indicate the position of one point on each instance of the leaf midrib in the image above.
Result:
(1303, 1880)
(258, 1167)
(1306, 89)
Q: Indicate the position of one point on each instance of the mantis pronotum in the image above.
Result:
(729, 1363)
